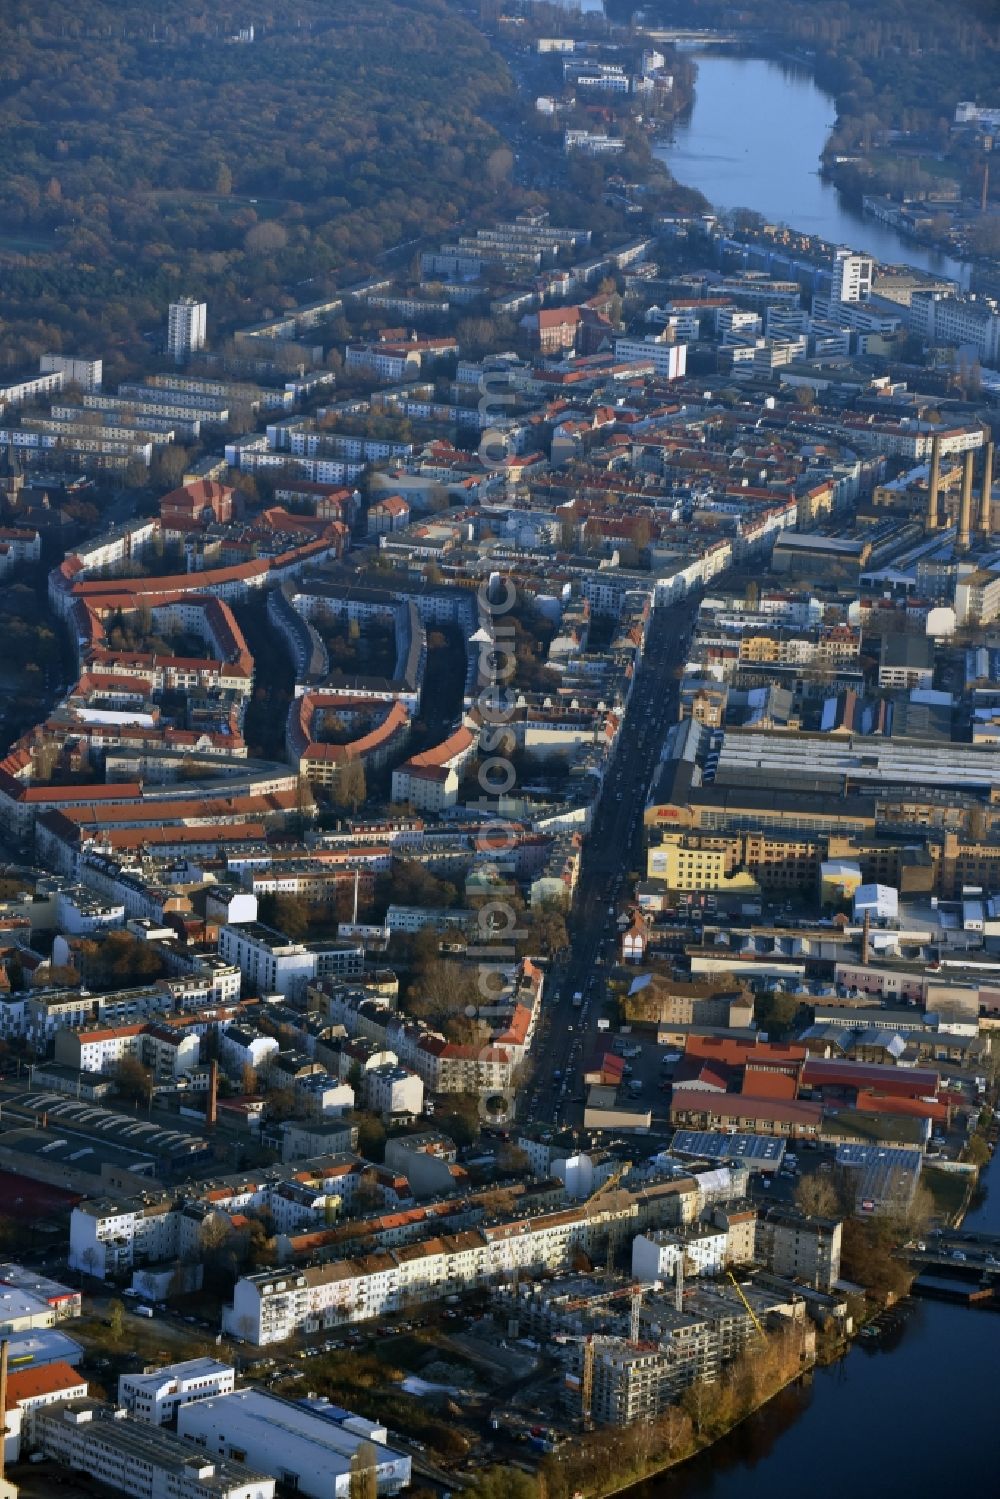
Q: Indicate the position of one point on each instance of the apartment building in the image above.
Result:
(393, 1090)
(697, 1249)
(99, 1050)
(977, 597)
(957, 322)
(85, 373)
(109, 1237)
(31, 388)
(669, 359)
(851, 277)
(799, 1247)
(186, 328)
(272, 1306)
(270, 962)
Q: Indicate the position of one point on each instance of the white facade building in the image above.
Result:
(393, 1090)
(957, 322)
(98, 1050)
(186, 328)
(851, 277)
(155, 1398)
(269, 962)
(86, 373)
(142, 1461)
(308, 1451)
(701, 1251)
(669, 360)
(30, 1391)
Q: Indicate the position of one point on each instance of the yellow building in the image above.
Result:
(697, 863)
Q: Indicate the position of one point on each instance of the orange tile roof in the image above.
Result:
(46, 1379)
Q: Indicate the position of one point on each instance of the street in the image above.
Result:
(613, 847)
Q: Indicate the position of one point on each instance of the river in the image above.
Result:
(909, 1416)
(753, 139)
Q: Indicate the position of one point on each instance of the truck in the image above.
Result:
(578, 999)
(604, 1025)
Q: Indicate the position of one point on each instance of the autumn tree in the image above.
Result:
(116, 1320)
(133, 1081)
(349, 787)
(817, 1196)
(265, 238)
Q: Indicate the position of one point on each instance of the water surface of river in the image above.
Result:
(753, 140)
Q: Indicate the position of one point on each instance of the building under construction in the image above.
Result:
(630, 1351)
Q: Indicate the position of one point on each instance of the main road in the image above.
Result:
(612, 848)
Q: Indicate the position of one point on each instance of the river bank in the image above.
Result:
(754, 138)
(941, 1355)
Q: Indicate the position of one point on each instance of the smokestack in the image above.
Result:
(933, 485)
(866, 935)
(965, 506)
(3, 1408)
(986, 498)
(212, 1107)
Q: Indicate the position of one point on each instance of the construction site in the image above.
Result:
(631, 1350)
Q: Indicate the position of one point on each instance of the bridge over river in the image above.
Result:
(960, 1251)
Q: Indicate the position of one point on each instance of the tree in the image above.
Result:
(513, 1160)
(133, 1080)
(371, 1137)
(459, 1117)
(248, 1080)
(363, 1472)
(349, 788)
(776, 1013)
(817, 1196)
(410, 884)
(282, 1104)
(170, 466)
(266, 238)
(116, 1320)
(868, 1256)
(499, 166)
(977, 1151)
(213, 1234)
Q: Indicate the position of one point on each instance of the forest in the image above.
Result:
(149, 153)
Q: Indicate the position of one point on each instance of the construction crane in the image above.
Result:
(514, 1321)
(587, 1386)
(610, 1184)
(614, 1228)
(579, 1302)
(739, 1292)
(635, 1309)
